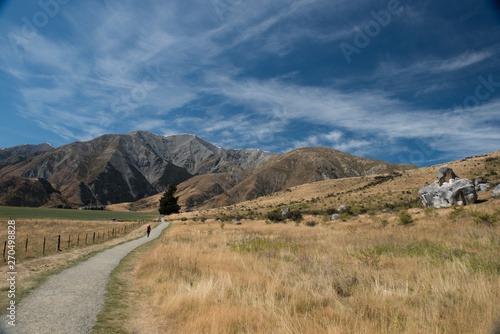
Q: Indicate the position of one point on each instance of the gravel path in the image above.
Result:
(68, 302)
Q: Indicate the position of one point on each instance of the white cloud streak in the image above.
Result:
(70, 86)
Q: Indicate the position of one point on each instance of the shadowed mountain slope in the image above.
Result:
(300, 166)
(123, 168)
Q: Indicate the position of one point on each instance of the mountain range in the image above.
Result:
(128, 167)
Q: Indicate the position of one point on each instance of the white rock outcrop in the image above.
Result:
(448, 190)
(496, 192)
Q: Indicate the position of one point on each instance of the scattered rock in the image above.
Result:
(342, 208)
(482, 186)
(237, 223)
(448, 190)
(285, 211)
(335, 216)
(496, 192)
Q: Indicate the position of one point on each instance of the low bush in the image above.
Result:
(275, 216)
(294, 215)
(345, 215)
(405, 218)
(331, 211)
(483, 218)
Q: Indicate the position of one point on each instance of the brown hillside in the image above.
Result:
(368, 191)
(373, 191)
(301, 166)
(129, 167)
(25, 192)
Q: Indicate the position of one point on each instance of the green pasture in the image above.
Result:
(7, 212)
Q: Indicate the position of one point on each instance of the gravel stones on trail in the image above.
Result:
(70, 301)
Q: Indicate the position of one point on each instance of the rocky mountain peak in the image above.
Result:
(116, 168)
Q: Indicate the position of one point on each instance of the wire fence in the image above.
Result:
(38, 246)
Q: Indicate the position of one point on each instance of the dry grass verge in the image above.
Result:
(120, 302)
(439, 274)
(74, 234)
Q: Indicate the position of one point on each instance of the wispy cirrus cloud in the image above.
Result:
(433, 66)
(371, 113)
(265, 74)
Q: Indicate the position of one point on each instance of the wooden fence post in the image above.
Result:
(78, 240)
(26, 247)
(85, 238)
(93, 238)
(59, 243)
(4, 249)
(69, 241)
(43, 252)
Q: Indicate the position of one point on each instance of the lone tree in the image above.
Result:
(168, 202)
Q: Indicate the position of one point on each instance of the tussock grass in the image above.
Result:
(74, 234)
(436, 275)
(20, 213)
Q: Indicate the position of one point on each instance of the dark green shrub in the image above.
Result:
(294, 215)
(331, 211)
(275, 216)
(344, 216)
(405, 218)
(483, 218)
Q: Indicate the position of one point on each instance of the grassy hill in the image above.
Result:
(375, 192)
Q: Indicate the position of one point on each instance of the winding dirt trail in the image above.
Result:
(68, 303)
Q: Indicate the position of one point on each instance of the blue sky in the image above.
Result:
(396, 80)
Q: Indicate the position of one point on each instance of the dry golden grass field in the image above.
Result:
(74, 233)
(439, 274)
(389, 266)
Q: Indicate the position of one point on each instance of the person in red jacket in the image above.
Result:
(148, 230)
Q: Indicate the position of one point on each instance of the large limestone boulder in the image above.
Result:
(448, 190)
(496, 192)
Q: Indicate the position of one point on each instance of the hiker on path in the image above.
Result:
(148, 230)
